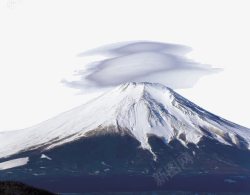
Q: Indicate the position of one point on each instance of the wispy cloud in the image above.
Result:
(141, 61)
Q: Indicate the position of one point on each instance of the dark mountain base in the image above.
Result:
(205, 183)
(114, 162)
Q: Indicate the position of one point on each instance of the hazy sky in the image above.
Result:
(40, 42)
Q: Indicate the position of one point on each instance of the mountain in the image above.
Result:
(138, 136)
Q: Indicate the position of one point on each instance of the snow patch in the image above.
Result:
(45, 157)
(14, 163)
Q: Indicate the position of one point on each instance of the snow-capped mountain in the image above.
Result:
(139, 109)
(129, 135)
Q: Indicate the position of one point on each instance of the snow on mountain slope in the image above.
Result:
(14, 163)
(140, 109)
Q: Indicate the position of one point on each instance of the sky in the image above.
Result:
(40, 43)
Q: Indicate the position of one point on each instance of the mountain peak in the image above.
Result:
(143, 85)
(137, 84)
(143, 90)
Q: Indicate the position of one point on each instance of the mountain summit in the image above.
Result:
(132, 135)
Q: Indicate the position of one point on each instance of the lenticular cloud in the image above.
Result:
(141, 62)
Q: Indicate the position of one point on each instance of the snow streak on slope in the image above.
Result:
(139, 109)
(14, 163)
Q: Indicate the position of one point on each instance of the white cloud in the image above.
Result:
(141, 61)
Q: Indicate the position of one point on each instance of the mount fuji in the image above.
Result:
(119, 140)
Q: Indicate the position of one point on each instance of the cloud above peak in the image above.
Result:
(126, 48)
(140, 61)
